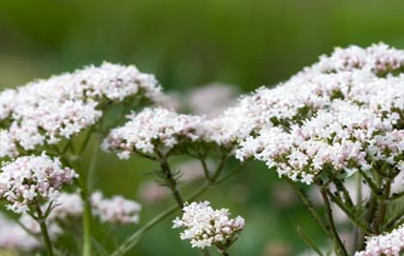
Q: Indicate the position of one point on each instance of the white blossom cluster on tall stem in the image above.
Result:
(206, 227)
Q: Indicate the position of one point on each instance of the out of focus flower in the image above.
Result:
(192, 170)
(212, 99)
(151, 192)
(390, 244)
(205, 226)
(277, 249)
(116, 210)
(32, 226)
(69, 205)
(32, 180)
(12, 236)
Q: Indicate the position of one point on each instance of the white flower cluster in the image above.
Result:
(391, 244)
(12, 236)
(69, 205)
(344, 118)
(32, 180)
(44, 111)
(205, 226)
(116, 210)
(378, 58)
(152, 129)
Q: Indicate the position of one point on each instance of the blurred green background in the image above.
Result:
(187, 44)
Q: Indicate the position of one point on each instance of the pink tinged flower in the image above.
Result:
(389, 244)
(31, 180)
(45, 111)
(116, 210)
(204, 226)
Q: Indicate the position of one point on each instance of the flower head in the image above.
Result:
(32, 180)
(152, 129)
(390, 244)
(46, 111)
(205, 226)
(342, 114)
(116, 210)
(13, 236)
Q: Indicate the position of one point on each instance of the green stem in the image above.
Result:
(171, 182)
(44, 231)
(205, 252)
(309, 205)
(382, 209)
(350, 214)
(357, 233)
(92, 167)
(86, 222)
(222, 249)
(205, 169)
(135, 237)
(132, 240)
(341, 250)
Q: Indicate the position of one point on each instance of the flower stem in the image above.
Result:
(309, 206)
(341, 250)
(171, 182)
(86, 223)
(135, 237)
(44, 231)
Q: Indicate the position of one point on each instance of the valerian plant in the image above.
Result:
(339, 120)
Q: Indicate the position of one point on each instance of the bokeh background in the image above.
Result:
(187, 44)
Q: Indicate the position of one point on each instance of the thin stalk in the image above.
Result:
(205, 169)
(382, 209)
(340, 186)
(92, 168)
(341, 250)
(222, 249)
(393, 222)
(132, 240)
(44, 231)
(205, 252)
(372, 207)
(87, 216)
(309, 205)
(396, 196)
(308, 241)
(171, 182)
(86, 140)
(135, 237)
(356, 231)
(351, 215)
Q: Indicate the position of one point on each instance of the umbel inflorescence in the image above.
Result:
(45, 111)
(205, 226)
(343, 114)
(33, 180)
